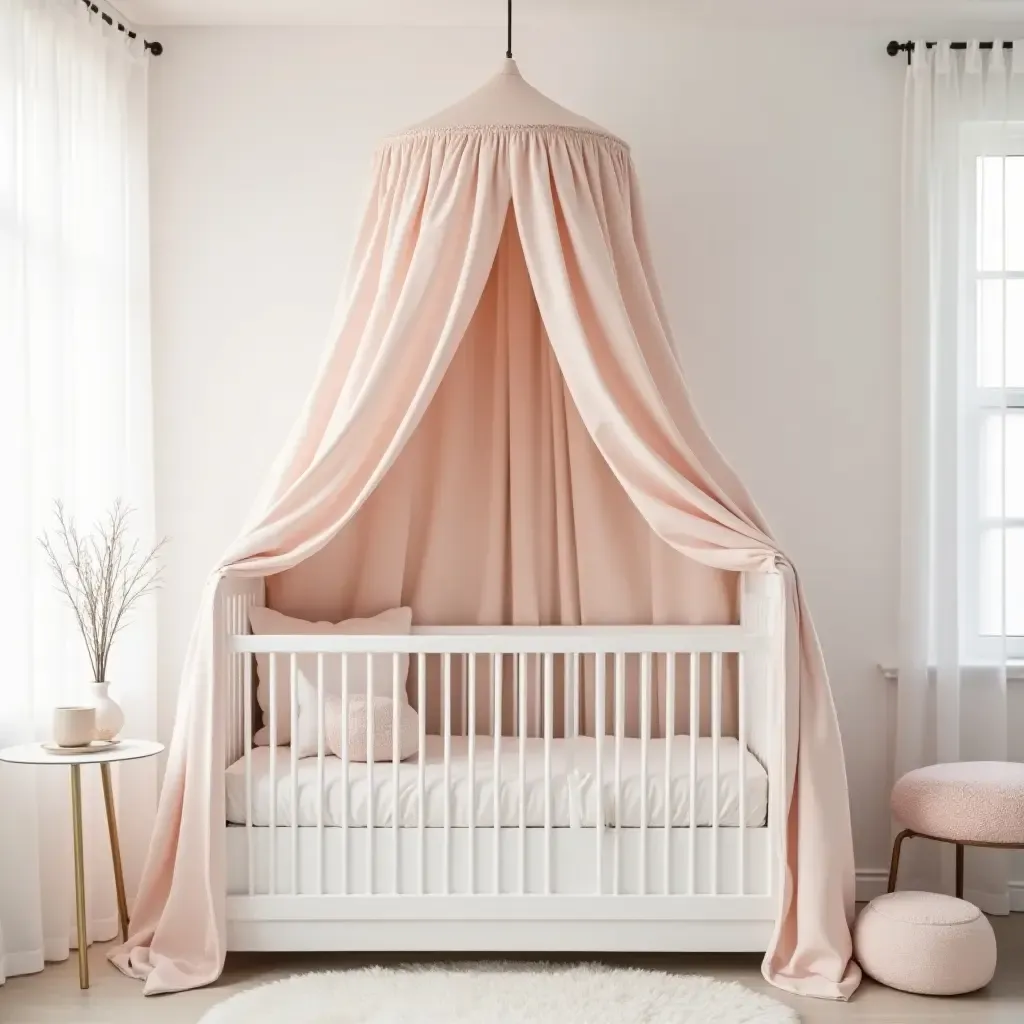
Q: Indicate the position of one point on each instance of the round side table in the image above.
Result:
(126, 750)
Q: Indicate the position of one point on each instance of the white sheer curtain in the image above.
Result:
(74, 424)
(962, 573)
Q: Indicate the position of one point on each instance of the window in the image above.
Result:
(993, 334)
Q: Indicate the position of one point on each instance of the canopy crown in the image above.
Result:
(507, 100)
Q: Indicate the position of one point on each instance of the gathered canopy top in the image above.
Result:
(507, 100)
(505, 217)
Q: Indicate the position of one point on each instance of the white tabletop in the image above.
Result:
(126, 750)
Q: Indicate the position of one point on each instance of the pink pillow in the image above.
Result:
(335, 721)
(265, 621)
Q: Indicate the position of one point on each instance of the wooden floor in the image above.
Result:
(53, 997)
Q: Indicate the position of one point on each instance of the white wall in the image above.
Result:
(770, 161)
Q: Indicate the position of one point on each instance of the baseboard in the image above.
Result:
(872, 882)
(1016, 897)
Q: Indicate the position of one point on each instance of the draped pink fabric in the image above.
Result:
(501, 509)
(437, 260)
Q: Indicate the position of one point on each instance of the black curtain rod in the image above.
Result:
(155, 47)
(894, 48)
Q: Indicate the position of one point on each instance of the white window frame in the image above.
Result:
(978, 140)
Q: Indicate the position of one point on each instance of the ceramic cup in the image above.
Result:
(73, 726)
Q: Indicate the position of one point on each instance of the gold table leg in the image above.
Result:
(895, 864)
(76, 819)
(115, 850)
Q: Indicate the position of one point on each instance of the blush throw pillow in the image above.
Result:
(265, 621)
(339, 720)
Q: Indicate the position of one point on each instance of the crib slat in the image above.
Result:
(246, 658)
(620, 726)
(497, 700)
(233, 683)
(240, 662)
(447, 661)
(272, 834)
(567, 695)
(741, 766)
(346, 719)
(471, 708)
(490, 702)
(535, 703)
(238, 687)
(645, 732)
(515, 694)
(576, 659)
(394, 769)
(521, 688)
(227, 606)
(716, 735)
(230, 613)
(549, 717)
(242, 628)
(294, 768)
(230, 626)
(247, 741)
(227, 609)
(600, 667)
(320, 729)
(421, 709)
(370, 801)
(670, 732)
(694, 740)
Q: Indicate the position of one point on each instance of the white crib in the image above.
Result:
(532, 822)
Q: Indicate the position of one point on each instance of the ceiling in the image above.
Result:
(492, 12)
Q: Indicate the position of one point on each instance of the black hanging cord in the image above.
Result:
(155, 47)
(894, 48)
(508, 52)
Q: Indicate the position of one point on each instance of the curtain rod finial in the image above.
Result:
(893, 48)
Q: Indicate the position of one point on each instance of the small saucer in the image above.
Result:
(94, 747)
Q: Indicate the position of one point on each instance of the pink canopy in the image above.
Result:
(501, 387)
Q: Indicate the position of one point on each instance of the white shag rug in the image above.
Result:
(497, 993)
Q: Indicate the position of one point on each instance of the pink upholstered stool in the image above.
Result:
(969, 803)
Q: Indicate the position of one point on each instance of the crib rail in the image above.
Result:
(516, 640)
(549, 761)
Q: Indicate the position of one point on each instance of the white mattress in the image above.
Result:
(573, 785)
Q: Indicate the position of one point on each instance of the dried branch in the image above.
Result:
(102, 577)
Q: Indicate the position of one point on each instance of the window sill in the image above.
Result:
(1014, 670)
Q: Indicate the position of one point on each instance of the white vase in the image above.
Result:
(109, 716)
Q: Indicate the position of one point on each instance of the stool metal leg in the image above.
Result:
(894, 866)
(115, 850)
(76, 820)
(959, 870)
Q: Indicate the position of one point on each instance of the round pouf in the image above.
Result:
(925, 943)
